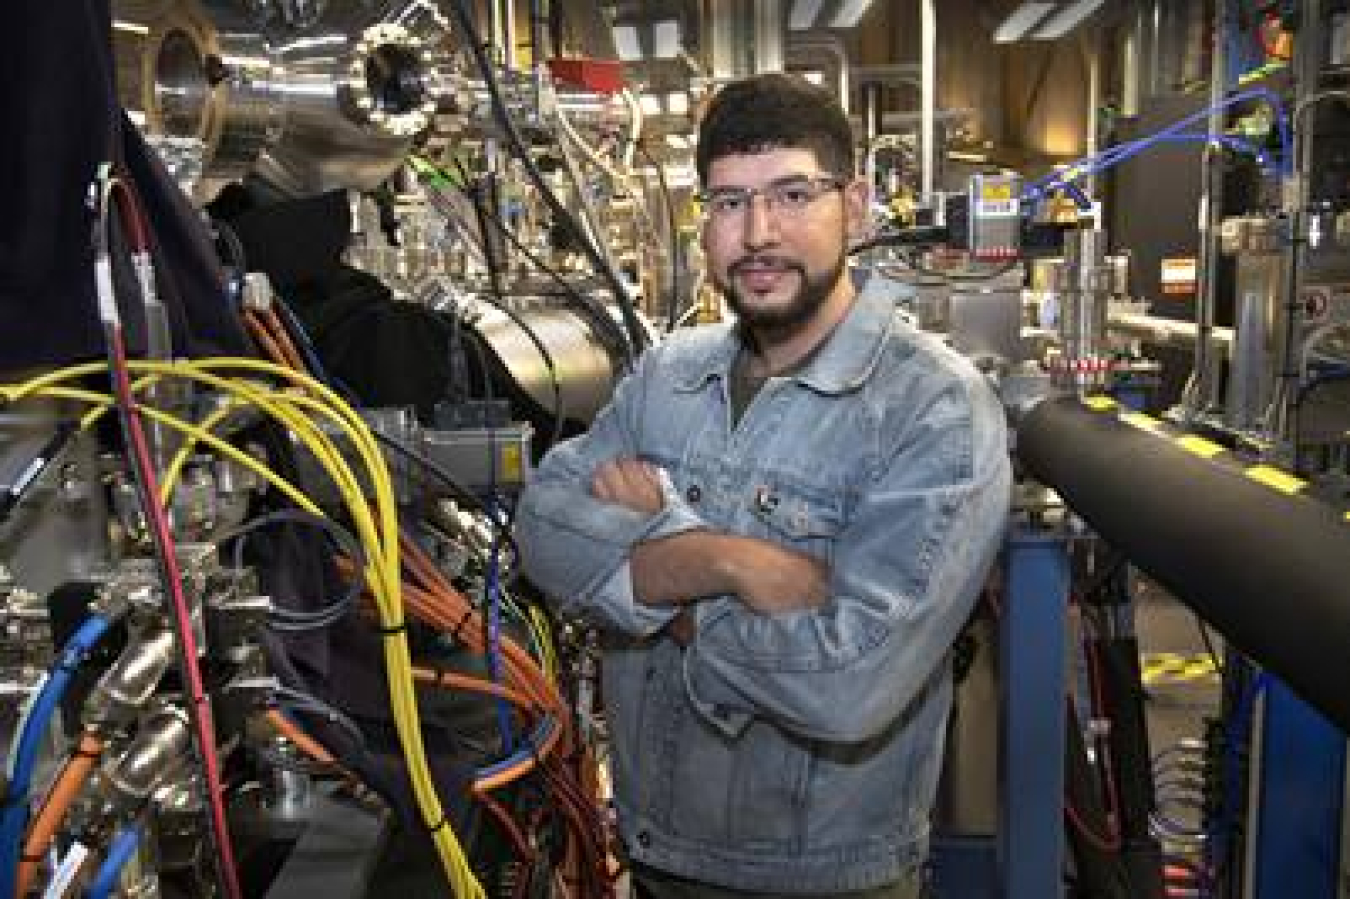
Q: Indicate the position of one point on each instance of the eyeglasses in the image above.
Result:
(789, 197)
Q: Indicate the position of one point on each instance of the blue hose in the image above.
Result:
(120, 851)
(542, 732)
(1112, 155)
(14, 816)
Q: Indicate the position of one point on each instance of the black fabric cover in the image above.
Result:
(1266, 569)
(61, 120)
(385, 352)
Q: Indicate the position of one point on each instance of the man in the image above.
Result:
(781, 526)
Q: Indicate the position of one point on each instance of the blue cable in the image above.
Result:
(1177, 127)
(305, 345)
(14, 817)
(1112, 155)
(120, 851)
(1226, 140)
(1240, 725)
(1135, 147)
(537, 739)
(494, 636)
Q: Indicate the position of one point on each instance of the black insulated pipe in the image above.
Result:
(1268, 570)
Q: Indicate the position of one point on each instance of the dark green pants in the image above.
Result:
(653, 884)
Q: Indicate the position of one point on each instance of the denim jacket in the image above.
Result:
(794, 752)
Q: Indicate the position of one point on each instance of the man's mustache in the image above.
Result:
(774, 262)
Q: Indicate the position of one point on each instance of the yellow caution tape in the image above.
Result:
(1273, 477)
(1200, 446)
(1142, 421)
(1165, 667)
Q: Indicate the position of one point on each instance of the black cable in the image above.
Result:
(480, 356)
(609, 333)
(1209, 645)
(300, 702)
(498, 300)
(288, 619)
(230, 238)
(481, 196)
(41, 461)
(636, 338)
(673, 310)
(559, 411)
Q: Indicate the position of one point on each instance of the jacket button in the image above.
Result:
(644, 839)
(694, 493)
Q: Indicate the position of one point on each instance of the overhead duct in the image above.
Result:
(1265, 568)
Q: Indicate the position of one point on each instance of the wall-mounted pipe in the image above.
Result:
(1170, 332)
(1204, 395)
(1265, 568)
(928, 125)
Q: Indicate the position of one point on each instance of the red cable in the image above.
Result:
(199, 711)
(131, 218)
(1108, 764)
(199, 707)
(1104, 844)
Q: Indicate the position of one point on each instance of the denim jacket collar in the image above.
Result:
(842, 365)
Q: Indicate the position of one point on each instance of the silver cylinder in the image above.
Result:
(583, 367)
(354, 95)
(200, 80)
(1257, 318)
(984, 318)
(131, 680)
(1084, 288)
(161, 746)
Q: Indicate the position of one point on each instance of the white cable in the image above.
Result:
(635, 122)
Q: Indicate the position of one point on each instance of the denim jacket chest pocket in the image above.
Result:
(803, 518)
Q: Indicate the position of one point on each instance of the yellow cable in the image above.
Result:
(384, 578)
(389, 601)
(168, 482)
(383, 573)
(15, 392)
(545, 637)
(197, 434)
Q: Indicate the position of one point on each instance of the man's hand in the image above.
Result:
(631, 483)
(770, 578)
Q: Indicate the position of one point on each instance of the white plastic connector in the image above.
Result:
(103, 286)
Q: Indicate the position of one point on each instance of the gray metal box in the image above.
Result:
(482, 458)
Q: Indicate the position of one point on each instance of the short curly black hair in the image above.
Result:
(775, 111)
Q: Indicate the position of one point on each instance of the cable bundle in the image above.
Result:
(300, 409)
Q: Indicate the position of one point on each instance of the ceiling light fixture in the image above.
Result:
(626, 42)
(850, 11)
(1066, 20)
(666, 36)
(1020, 21)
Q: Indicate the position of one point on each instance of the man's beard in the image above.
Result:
(802, 307)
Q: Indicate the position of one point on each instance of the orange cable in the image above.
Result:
(65, 789)
(272, 322)
(263, 338)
